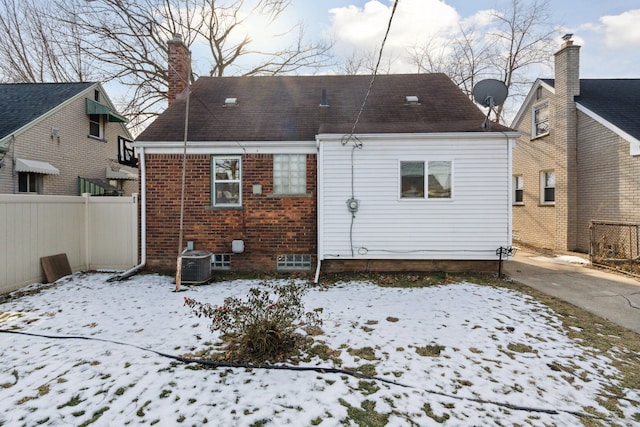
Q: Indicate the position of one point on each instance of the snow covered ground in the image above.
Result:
(502, 352)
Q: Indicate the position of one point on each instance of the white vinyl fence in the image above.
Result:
(96, 233)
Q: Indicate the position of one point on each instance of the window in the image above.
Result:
(412, 180)
(226, 181)
(539, 92)
(548, 187)
(29, 182)
(518, 190)
(438, 182)
(221, 261)
(294, 262)
(540, 125)
(95, 126)
(289, 173)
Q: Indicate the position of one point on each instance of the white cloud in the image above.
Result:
(481, 19)
(622, 31)
(355, 28)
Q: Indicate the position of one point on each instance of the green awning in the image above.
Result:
(94, 107)
(97, 187)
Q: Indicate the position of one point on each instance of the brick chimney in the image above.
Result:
(564, 128)
(179, 70)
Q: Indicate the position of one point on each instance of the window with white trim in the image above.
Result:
(540, 120)
(226, 181)
(289, 173)
(547, 187)
(518, 190)
(438, 182)
(96, 128)
(29, 182)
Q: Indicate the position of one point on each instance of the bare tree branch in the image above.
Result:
(126, 41)
(521, 37)
(34, 49)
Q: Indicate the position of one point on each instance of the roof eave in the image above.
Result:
(48, 113)
(528, 100)
(606, 123)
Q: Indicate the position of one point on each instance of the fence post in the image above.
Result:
(87, 238)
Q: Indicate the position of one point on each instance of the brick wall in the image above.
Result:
(533, 222)
(269, 225)
(179, 70)
(564, 126)
(608, 178)
(551, 226)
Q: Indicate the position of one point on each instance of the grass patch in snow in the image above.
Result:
(430, 350)
(366, 415)
(439, 419)
(366, 353)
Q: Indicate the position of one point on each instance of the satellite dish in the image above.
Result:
(490, 93)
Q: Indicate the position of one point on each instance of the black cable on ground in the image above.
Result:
(214, 364)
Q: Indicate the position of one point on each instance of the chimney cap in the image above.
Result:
(567, 37)
(177, 37)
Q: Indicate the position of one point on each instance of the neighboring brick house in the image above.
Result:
(277, 178)
(578, 157)
(63, 139)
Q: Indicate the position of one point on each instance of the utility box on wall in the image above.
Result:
(196, 267)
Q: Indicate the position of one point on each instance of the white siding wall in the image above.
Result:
(470, 226)
(94, 232)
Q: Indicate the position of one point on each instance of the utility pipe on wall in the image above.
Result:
(143, 222)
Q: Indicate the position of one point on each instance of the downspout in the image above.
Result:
(143, 223)
(319, 175)
(14, 174)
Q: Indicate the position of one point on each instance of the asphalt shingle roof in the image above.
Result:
(21, 103)
(615, 100)
(287, 108)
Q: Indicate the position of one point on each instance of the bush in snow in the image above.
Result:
(262, 326)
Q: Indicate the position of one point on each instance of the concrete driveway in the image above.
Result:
(612, 296)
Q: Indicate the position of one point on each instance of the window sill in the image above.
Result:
(95, 138)
(282, 196)
(518, 204)
(224, 208)
(542, 205)
(542, 135)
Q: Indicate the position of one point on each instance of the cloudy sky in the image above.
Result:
(608, 31)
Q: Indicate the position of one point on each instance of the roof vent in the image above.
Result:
(411, 100)
(230, 102)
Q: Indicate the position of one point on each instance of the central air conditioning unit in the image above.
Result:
(196, 267)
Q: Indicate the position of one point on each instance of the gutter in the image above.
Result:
(143, 223)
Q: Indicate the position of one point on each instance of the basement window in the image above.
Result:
(221, 261)
(294, 262)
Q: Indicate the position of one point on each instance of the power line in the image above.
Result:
(375, 70)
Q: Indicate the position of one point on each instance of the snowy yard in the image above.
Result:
(462, 354)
